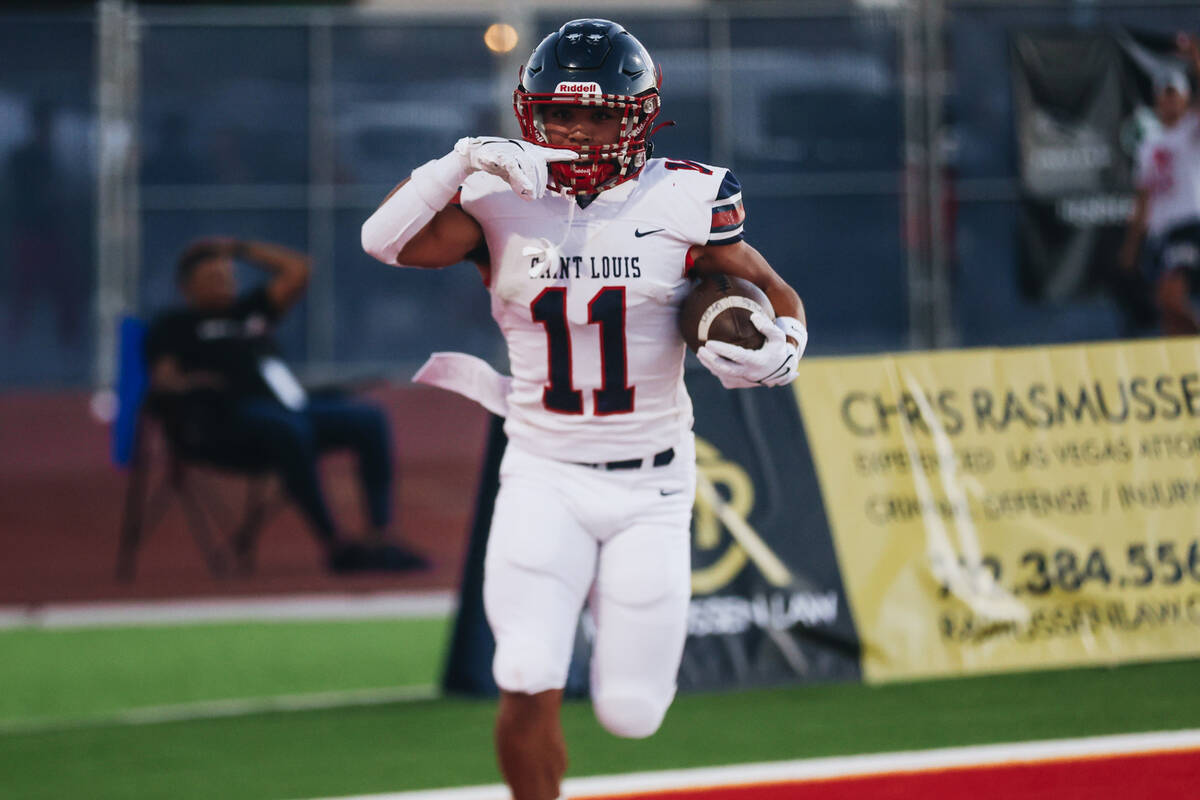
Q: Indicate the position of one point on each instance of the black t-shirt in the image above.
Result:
(233, 342)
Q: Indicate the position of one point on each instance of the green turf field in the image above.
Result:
(82, 672)
(446, 742)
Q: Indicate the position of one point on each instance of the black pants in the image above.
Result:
(1177, 248)
(260, 433)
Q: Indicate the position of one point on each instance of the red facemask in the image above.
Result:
(598, 167)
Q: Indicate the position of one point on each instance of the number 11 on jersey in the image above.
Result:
(606, 309)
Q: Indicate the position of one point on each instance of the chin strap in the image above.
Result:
(649, 144)
(668, 124)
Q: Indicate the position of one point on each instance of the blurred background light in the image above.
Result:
(500, 37)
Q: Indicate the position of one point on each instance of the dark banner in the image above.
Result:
(1082, 103)
(768, 605)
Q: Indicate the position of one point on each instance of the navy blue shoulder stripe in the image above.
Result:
(729, 186)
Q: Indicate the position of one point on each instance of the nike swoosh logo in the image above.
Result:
(640, 234)
(778, 371)
(665, 493)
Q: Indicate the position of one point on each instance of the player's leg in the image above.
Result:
(640, 604)
(539, 567)
(530, 745)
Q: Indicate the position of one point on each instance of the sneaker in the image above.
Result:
(349, 557)
(395, 557)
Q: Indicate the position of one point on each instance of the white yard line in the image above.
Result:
(215, 709)
(841, 766)
(380, 605)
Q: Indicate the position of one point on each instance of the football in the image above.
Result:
(719, 307)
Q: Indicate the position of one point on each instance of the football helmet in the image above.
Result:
(591, 62)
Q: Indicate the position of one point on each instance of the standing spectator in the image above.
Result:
(1167, 208)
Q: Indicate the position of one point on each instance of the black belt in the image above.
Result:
(660, 460)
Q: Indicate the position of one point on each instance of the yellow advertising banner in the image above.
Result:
(1013, 509)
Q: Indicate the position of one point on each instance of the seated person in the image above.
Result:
(226, 396)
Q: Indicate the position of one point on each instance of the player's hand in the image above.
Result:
(520, 163)
(773, 364)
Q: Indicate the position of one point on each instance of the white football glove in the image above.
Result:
(520, 163)
(773, 364)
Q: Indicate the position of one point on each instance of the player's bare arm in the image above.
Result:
(446, 240)
(743, 261)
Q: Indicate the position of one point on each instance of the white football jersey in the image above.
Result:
(1168, 166)
(587, 300)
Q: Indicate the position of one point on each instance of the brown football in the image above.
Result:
(719, 307)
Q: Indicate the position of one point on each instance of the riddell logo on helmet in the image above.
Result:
(577, 88)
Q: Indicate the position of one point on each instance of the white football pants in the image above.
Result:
(562, 533)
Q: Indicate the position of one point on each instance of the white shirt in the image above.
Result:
(1168, 167)
(587, 300)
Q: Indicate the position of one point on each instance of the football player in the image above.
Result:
(1167, 206)
(586, 244)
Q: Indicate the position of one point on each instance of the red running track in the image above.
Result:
(1143, 776)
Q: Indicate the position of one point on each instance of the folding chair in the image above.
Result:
(141, 438)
